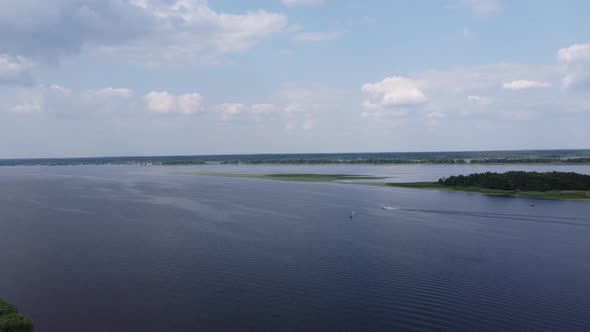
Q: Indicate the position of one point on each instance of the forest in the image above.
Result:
(520, 180)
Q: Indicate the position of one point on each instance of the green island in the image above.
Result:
(555, 185)
(550, 185)
(302, 177)
(13, 321)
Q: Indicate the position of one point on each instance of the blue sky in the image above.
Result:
(161, 77)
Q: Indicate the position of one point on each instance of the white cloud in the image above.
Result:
(574, 53)
(154, 32)
(393, 92)
(165, 102)
(467, 93)
(292, 3)
(483, 6)
(189, 30)
(576, 59)
(189, 103)
(160, 102)
(525, 84)
(14, 69)
(316, 36)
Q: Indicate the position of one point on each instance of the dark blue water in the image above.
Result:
(143, 249)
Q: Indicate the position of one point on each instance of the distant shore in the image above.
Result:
(525, 157)
(310, 163)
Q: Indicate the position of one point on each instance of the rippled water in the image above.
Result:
(147, 249)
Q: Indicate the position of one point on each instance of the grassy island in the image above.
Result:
(12, 321)
(302, 177)
(555, 185)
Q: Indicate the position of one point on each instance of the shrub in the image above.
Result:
(15, 323)
(6, 308)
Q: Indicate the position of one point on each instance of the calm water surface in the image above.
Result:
(122, 248)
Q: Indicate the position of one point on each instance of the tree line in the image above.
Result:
(520, 180)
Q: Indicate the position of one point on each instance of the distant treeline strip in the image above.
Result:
(461, 157)
(374, 161)
(413, 161)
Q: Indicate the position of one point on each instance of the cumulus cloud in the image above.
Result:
(463, 93)
(148, 31)
(576, 59)
(14, 69)
(483, 6)
(292, 3)
(525, 84)
(393, 92)
(165, 102)
(575, 53)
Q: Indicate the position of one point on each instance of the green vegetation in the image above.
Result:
(6, 308)
(553, 185)
(304, 177)
(12, 321)
(521, 181)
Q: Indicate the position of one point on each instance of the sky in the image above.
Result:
(82, 78)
